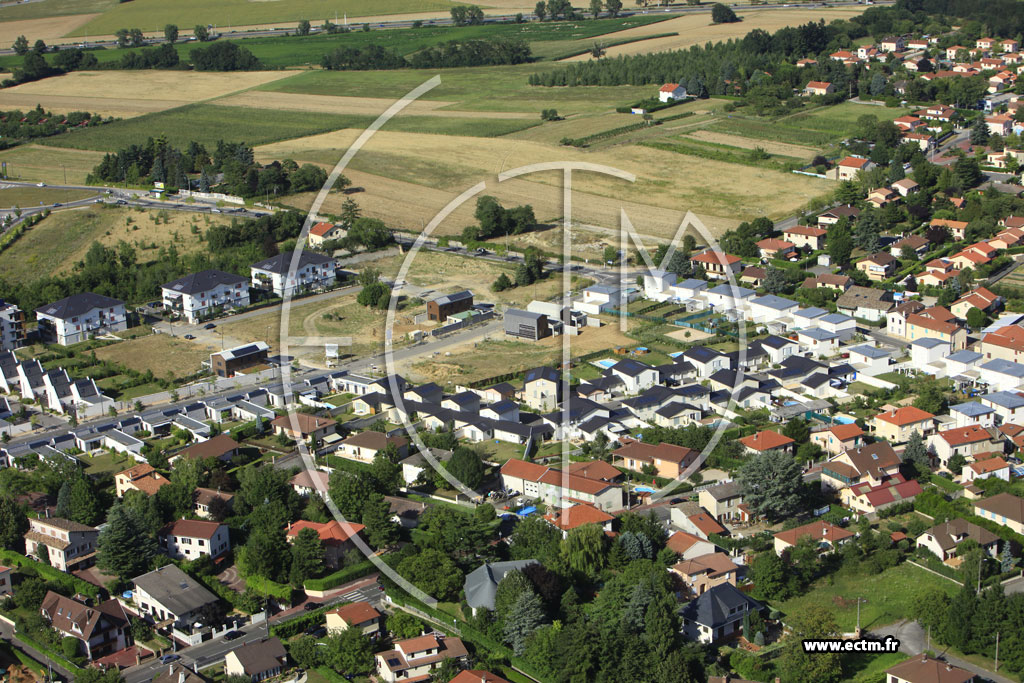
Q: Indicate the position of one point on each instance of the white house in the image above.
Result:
(170, 593)
(658, 285)
(818, 342)
(689, 288)
(201, 294)
(972, 413)
(635, 376)
(191, 539)
(12, 326)
(1008, 406)
(869, 360)
(841, 325)
(924, 352)
(728, 296)
(763, 309)
(313, 271)
(671, 91)
(80, 317)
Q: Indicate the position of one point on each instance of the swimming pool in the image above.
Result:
(644, 489)
(605, 363)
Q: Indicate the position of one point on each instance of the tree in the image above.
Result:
(533, 538)
(931, 398)
(613, 7)
(201, 33)
(979, 131)
(815, 622)
(916, 454)
(525, 615)
(723, 14)
(124, 548)
(303, 28)
(381, 530)
(967, 172)
(509, 589)
(349, 652)
(85, 506)
(771, 482)
(403, 625)
(595, 7)
(63, 508)
(956, 463)
(20, 46)
(840, 248)
(171, 33)
(583, 550)
(976, 319)
(350, 212)
(307, 556)
(305, 651)
(775, 281)
(467, 467)
(121, 35)
(433, 572)
(769, 575)
(798, 429)
(13, 522)
(502, 283)
(540, 10)
(136, 38)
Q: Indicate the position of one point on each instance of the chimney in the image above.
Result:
(949, 667)
(170, 669)
(181, 677)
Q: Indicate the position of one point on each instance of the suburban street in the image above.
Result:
(913, 641)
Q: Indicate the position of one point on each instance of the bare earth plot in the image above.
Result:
(697, 29)
(129, 93)
(48, 29)
(163, 354)
(668, 184)
(372, 106)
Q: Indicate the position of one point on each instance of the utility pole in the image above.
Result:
(997, 651)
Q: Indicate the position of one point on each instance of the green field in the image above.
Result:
(153, 15)
(887, 597)
(208, 123)
(551, 39)
(494, 88)
(818, 128)
(53, 8)
(710, 150)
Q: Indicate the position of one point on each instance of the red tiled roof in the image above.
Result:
(1009, 336)
(321, 229)
(598, 470)
(211, 448)
(904, 416)
(919, 320)
(818, 85)
(571, 517)
(816, 530)
(772, 244)
(668, 87)
(331, 532)
(706, 524)
(962, 435)
(356, 612)
(854, 162)
(714, 256)
(846, 432)
(806, 230)
(712, 564)
(665, 452)
(991, 465)
(307, 423)
(680, 542)
(766, 440)
(521, 469)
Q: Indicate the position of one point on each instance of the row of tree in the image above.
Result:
(454, 53)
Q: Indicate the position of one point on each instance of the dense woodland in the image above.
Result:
(17, 126)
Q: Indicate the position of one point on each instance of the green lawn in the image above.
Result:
(499, 452)
(870, 668)
(208, 123)
(54, 8)
(489, 88)
(945, 484)
(888, 596)
(108, 462)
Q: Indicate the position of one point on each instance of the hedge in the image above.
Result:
(295, 626)
(59, 659)
(341, 576)
(71, 583)
(273, 589)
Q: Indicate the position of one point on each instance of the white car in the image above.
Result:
(40, 184)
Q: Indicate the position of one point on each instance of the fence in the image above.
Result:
(219, 196)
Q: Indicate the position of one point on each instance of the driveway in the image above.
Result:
(913, 640)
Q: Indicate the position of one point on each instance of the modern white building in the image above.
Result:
(191, 539)
(80, 317)
(313, 271)
(203, 294)
(764, 309)
(12, 326)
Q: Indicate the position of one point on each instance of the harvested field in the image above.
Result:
(749, 143)
(475, 360)
(370, 106)
(118, 108)
(165, 355)
(48, 29)
(48, 164)
(687, 335)
(17, 11)
(656, 202)
(697, 29)
(57, 243)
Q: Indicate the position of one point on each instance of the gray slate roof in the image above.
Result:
(481, 584)
(78, 304)
(175, 590)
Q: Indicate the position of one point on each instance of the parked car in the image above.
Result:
(231, 635)
(190, 336)
(316, 630)
(167, 659)
(310, 606)
(209, 326)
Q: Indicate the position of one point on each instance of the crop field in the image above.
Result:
(129, 93)
(48, 164)
(495, 88)
(57, 243)
(818, 128)
(697, 29)
(47, 29)
(53, 8)
(165, 355)
(361, 106)
(436, 167)
(779, 148)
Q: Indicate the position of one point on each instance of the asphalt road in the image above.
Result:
(914, 640)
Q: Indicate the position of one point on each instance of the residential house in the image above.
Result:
(688, 546)
(957, 229)
(994, 467)
(882, 196)
(635, 376)
(567, 519)
(325, 232)
(1006, 342)
(415, 658)
(442, 307)
(911, 246)
(100, 630)
(717, 264)
(229, 362)
(1008, 406)
(176, 672)
(312, 272)
(68, 545)
(702, 573)
(557, 488)
(142, 477)
(168, 593)
(198, 296)
(775, 248)
(542, 388)
(896, 318)
(923, 669)
(767, 440)
(892, 44)
(866, 303)
(335, 537)
(827, 537)
(833, 215)
(190, 539)
(905, 187)
(873, 463)
(525, 324)
(753, 276)
(257, 660)
(869, 498)
(1004, 509)
(806, 237)
(12, 326)
(972, 413)
(849, 167)
(302, 426)
(819, 88)
(724, 502)
(6, 587)
(980, 298)
(818, 343)
(920, 326)
(360, 615)
(943, 539)
(969, 442)
(1000, 124)
(839, 283)
(878, 266)
(221, 448)
(80, 317)
(211, 502)
(309, 482)
(717, 614)
(896, 425)
(671, 91)
(839, 438)
(481, 585)
(669, 460)
(364, 446)
(768, 308)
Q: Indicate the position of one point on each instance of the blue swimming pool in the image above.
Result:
(605, 363)
(644, 489)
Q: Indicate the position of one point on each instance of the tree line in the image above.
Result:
(233, 162)
(454, 53)
(17, 126)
